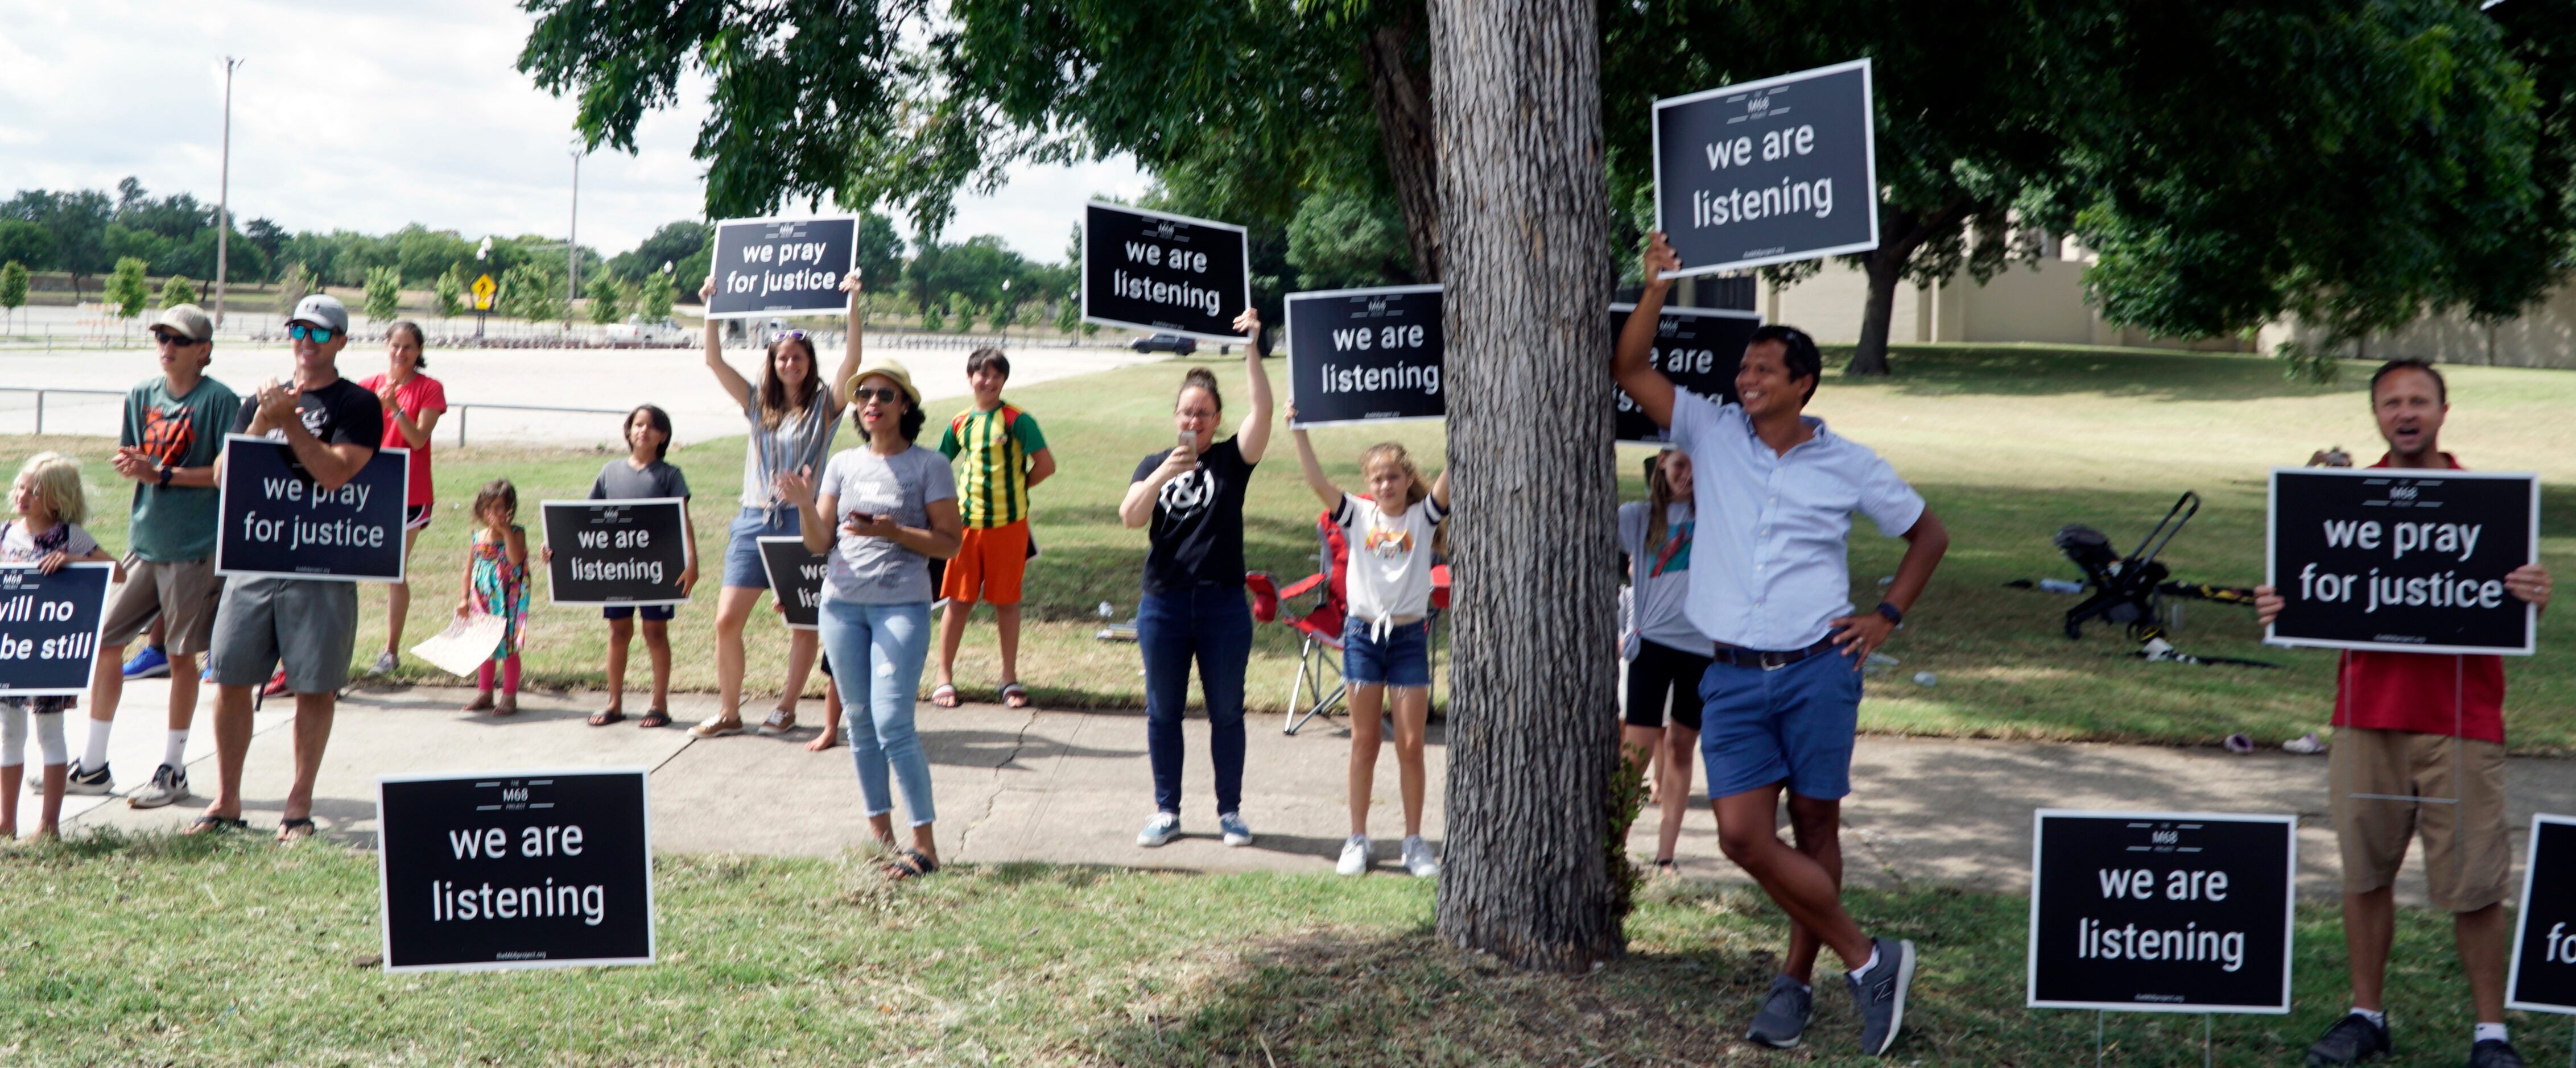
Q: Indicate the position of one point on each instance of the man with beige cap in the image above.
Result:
(173, 431)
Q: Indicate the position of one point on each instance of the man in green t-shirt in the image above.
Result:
(174, 430)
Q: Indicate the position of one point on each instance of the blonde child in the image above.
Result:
(1386, 640)
(496, 583)
(49, 505)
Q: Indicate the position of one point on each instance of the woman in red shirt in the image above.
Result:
(413, 402)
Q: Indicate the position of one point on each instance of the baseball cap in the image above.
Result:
(890, 369)
(321, 309)
(188, 321)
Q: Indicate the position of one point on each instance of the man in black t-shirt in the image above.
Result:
(309, 625)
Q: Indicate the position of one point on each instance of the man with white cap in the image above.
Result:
(309, 625)
(173, 433)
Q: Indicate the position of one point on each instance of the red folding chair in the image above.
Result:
(1318, 688)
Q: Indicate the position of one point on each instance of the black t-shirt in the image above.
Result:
(1197, 533)
(339, 413)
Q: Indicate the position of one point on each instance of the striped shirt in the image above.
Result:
(993, 486)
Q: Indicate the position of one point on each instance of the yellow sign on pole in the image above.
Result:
(483, 289)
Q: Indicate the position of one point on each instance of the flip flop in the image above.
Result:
(604, 717)
(1015, 695)
(656, 717)
(295, 830)
(944, 695)
(215, 825)
(910, 864)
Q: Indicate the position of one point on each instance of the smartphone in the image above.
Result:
(1189, 443)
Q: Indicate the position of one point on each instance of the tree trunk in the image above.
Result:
(1885, 267)
(1533, 723)
(1401, 89)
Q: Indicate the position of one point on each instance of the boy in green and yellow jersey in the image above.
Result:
(1004, 457)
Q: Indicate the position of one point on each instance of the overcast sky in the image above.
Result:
(369, 115)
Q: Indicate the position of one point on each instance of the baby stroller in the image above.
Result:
(2137, 591)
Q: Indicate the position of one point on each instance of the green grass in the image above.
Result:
(174, 951)
(2008, 444)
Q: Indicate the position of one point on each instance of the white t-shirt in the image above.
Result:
(1390, 557)
(17, 546)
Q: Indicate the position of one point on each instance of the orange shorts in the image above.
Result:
(988, 565)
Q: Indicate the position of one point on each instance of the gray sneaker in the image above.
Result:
(1880, 997)
(1164, 827)
(168, 784)
(1783, 1019)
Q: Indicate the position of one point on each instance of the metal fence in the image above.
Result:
(461, 408)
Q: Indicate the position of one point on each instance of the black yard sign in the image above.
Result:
(1698, 348)
(795, 578)
(1771, 171)
(515, 869)
(277, 521)
(1365, 355)
(2544, 936)
(617, 552)
(766, 267)
(1170, 273)
(49, 628)
(2409, 560)
(2161, 911)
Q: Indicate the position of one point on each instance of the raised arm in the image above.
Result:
(813, 516)
(1323, 486)
(1440, 488)
(732, 381)
(1252, 437)
(1629, 364)
(850, 360)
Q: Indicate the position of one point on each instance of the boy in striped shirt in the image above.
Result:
(1004, 456)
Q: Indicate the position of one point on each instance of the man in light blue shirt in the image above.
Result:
(1770, 583)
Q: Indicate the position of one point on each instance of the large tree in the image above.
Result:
(1532, 871)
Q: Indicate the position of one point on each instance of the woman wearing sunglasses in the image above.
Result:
(792, 414)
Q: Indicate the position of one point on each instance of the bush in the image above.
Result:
(529, 293)
(449, 295)
(291, 288)
(964, 310)
(608, 299)
(127, 292)
(653, 298)
(384, 293)
(176, 290)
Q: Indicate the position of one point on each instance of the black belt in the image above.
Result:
(1769, 659)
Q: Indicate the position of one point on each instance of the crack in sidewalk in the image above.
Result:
(993, 800)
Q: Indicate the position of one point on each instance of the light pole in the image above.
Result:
(572, 241)
(224, 191)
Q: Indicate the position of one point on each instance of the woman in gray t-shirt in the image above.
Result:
(880, 514)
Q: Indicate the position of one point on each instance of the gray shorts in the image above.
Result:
(311, 625)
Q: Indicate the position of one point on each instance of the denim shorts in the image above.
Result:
(1791, 725)
(742, 544)
(653, 613)
(1403, 659)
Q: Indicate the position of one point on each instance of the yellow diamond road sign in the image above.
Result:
(483, 288)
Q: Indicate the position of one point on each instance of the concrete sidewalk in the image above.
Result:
(1074, 787)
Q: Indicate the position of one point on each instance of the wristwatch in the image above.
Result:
(1893, 614)
(166, 472)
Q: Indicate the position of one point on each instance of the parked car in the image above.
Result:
(657, 331)
(1171, 343)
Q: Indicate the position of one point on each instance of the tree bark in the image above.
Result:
(1401, 89)
(1885, 267)
(1533, 724)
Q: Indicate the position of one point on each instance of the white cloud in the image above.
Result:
(371, 116)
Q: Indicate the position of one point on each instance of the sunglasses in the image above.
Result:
(786, 335)
(165, 337)
(319, 335)
(880, 394)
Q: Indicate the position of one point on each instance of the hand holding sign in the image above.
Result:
(2414, 560)
(1661, 262)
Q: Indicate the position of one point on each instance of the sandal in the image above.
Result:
(716, 726)
(482, 702)
(295, 830)
(509, 705)
(944, 695)
(1015, 695)
(910, 864)
(1665, 868)
(215, 824)
(780, 721)
(606, 716)
(657, 717)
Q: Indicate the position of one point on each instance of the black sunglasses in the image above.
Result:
(167, 337)
(880, 394)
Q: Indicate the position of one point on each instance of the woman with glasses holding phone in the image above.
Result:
(793, 413)
(1191, 499)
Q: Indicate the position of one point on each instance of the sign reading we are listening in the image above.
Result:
(515, 869)
(1770, 171)
(2544, 936)
(1365, 355)
(1149, 270)
(2161, 911)
(2407, 560)
(1698, 348)
(627, 552)
(795, 576)
(767, 267)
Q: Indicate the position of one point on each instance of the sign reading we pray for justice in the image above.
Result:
(2544, 933)
(515, 869)
(2161, 911)
(1153, 271)
(617, 552)
(2405, 560)
(49, 628)
(1771, 171)
(767, 267)
(1698, 348)
(276, 520)
(1365, 355)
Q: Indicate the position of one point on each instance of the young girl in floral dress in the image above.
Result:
(496, 584)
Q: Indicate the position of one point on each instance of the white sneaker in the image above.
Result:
(1355, 856)
(1164, 827)
(168, 784)
(1237, 832)
(1417, 857)
(385, 663)
(780, 721)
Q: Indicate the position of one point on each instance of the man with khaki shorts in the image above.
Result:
(173, 431)
(2419, 751)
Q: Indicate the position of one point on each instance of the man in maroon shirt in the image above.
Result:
(2419, 750)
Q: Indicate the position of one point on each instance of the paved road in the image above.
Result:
(1074, 786)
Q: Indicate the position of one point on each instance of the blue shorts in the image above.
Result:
(742, 545)
(1403, 659)
(1792, 725)
(653, 613)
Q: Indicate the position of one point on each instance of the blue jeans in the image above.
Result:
(877, 650)
(1213, 625)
